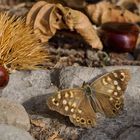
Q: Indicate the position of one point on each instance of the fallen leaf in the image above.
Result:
(55, 136)
(132, 5)
(52, 17)
(33, 12)
(106, 12)
(76, 20)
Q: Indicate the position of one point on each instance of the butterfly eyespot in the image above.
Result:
(55, 101)
(114, 111)
(89, 122)
(122, 76)
(117, 106)
(83, 121)
(77, 119)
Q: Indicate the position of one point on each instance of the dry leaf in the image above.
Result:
(38, 123)
(106, 12)
(45, 19)
(132, 5)
(33, 12)
(55, 136)
(52, 17)
(76, 20)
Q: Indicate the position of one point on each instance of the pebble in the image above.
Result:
(13, 113)
(8, 132)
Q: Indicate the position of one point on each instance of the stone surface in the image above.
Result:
(25, 85)
(8, 132)
(13, 113)
(33, 88)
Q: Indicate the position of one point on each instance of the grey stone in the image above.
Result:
(14, 114)
(8, 132)
(132, 133)
(107, 128)
(26, 88)
(25, 85)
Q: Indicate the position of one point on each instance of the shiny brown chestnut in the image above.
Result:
(119, 37)
(4, 77)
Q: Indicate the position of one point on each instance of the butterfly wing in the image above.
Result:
(109, 90)
(75, 104)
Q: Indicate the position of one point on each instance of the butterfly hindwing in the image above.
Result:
(84, 115)
(109, 90)
(73, 103)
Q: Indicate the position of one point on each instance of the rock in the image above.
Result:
(8, 132)
(13, 113)
(107, 128)
(132, 133)
(25, 85)
(33, 91)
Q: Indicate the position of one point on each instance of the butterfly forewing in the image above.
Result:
(75, 104)
(109, 90)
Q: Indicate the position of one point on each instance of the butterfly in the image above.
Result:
(104, 95)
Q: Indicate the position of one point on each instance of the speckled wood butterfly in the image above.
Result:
(104, 95)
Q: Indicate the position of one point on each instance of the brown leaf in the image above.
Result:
(52, 17)
(106, 12)
(34, 11)
(132, 5)
(45, 19)
(76, 20)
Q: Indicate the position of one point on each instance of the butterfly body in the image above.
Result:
(104, 95)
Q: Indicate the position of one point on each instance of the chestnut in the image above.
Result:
(4, 77)
(119, 37)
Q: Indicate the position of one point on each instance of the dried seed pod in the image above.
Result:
(106, 12)
(20, 48)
